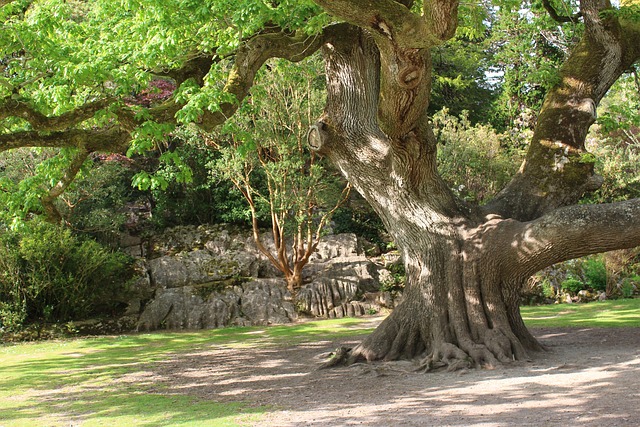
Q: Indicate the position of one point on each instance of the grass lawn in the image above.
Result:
(87, 382)
(601, 314)
(90, 382)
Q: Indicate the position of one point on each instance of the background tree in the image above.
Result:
(71, 68)
(264, 154)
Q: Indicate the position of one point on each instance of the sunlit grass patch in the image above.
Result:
(87, 381)
(603, 314)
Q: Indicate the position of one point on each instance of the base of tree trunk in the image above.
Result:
(409, 337)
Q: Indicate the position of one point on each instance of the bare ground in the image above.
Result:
(590, 377)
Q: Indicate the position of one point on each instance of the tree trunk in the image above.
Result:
(465, 265)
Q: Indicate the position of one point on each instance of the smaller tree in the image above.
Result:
(263, 152)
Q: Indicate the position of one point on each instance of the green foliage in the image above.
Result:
(619, 110)
(528, 48)
(630, 12)
(629, 286)
(263, 151)
(587, 273)
(548, 290)
(48, 274)
(397, 280)
(27, 175)
(474, 160)
(95, 205)
(201, 199)
(573, 285)
(357, 216)
(615, 144)
(461, 79)
(595, 273)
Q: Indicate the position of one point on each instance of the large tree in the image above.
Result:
(465, 264)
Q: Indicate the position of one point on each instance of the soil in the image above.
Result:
(589, 377)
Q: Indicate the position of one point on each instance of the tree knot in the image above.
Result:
(410, 77)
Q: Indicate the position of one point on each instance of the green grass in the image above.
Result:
(602, 314)
(83, 381)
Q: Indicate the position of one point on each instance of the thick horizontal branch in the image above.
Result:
(386, 19)
(39, 121)
(194, 68)
(111, 139)
(575, 231)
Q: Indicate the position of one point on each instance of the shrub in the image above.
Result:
(572, 285)
(548, 290)
(49, 274)
(474, 160)
(595, 273)
(202, 199)
(628, 286)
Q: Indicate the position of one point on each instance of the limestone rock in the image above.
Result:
(214, 276)
(199, 266)
(266, 301)
(339, 245)
(258, 302)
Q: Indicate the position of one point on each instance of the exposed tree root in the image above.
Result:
(389, 342)
(339, 358)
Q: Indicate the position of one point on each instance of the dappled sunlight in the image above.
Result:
(153, 379)
(485, 398)
(561, 387)
(272, 382)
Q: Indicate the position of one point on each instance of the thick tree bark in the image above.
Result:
(465, 266)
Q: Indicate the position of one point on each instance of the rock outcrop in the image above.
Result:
(214, 276)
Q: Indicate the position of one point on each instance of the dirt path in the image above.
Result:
(591, 377)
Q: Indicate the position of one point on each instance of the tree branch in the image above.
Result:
(443, 17)
(39, 121)
(56, 132)
(111, 139)
(52, 213)
(393, 20)
(575, 231)
(194, 68)
(248, 60)
(557, 171)
(385, 19)
(553, 13)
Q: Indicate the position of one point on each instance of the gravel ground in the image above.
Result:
(590, 377)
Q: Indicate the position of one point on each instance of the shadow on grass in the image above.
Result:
(581, 382)
(607, 314)
(267, 376)
(111, 380)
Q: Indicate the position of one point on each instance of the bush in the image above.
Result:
(474, 160)
(572, 285)
(587, 273)
(97, 200)
(201, 200)
(51, 275)
(595, 273)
